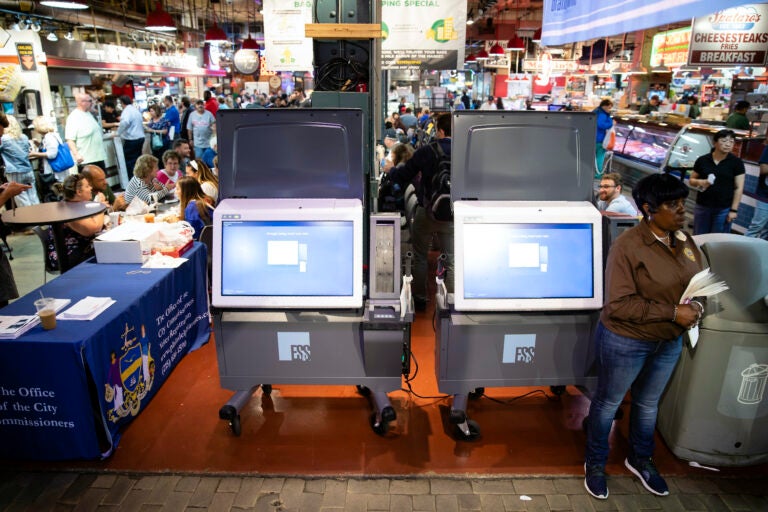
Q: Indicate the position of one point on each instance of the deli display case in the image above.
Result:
(645, 146)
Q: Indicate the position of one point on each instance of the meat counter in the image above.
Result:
(644, 147)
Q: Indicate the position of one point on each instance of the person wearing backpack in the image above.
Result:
(428, 169)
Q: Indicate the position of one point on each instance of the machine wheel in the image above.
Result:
(388, 414)
(363, 391)
(381, 428)
(234, 424)
(266, 389)
(474, 431)
(557, 390)
(477, 394)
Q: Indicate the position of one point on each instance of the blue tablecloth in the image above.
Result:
(65, 393)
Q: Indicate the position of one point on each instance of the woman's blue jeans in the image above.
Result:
(710, 220)
(626, 363)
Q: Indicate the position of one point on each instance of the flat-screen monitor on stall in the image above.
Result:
(288, 253)
(527, 256)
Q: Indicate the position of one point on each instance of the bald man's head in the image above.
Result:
(96, 177)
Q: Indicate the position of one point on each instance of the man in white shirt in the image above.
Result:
(83, 134)
(611, 198)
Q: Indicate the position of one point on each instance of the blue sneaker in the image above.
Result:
(646, 471)
(594, 481)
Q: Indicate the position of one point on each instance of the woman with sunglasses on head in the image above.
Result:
(639, 336)
(208, 181)
(719, 176)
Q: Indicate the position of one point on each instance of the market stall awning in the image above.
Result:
(568, 21)
(64, 62)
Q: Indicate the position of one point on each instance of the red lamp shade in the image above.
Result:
(482, 55)
(496, 50)
(159, 20)
(516, 44)
(536, 36)
(215, 34)
(471, 58)
(250, 44)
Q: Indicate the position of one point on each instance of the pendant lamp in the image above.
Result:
(516, 44)
(250, 44)
(64, 4)
(482, 55)
(159, 20)
(496, 50)
(471, 59)
(215, 34)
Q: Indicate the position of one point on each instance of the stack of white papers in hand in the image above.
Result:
(87, 308)
(703, 284)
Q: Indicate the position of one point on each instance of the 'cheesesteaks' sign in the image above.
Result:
(732, 37)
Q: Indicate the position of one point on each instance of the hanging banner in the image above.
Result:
(286, 48)
(733, 37)
(671, 47)
(423, 34)
(569, 21)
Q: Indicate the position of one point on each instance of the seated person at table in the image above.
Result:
(144, 182)
(169, 174)
(208, 181)
(78, 234)
(193, 204)
(102, 192)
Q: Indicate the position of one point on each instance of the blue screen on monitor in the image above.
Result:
(287, 258)
(511, 261)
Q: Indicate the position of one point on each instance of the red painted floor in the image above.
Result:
(324, 430)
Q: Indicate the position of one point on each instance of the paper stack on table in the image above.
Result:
(87, 308)
(11, 327)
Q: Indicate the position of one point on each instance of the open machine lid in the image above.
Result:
(290, 153)
(522, 156)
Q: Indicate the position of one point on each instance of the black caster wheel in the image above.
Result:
(234, 424)
(227, 412)
(363, 391)
(266, 389)
(557, 390)
(457, 416)
(476, 394)
(380, 428)
(474, 431)
(388, 414)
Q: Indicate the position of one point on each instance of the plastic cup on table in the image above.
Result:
(46, 312)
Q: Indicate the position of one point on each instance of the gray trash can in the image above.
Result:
(715, 410)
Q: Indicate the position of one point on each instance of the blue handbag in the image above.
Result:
(63, 160)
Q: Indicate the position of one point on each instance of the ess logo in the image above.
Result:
(293, 346)
(519, 348)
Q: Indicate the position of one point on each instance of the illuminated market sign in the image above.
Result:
(671, 47)
(732, 37)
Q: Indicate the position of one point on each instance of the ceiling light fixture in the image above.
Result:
(35, 26)
(64, 4)
(52, 36)
(496, 50)
(214, 34)
(482, 55)
(516, 44)
(69, 36)
(536, 36)
(159, 20)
